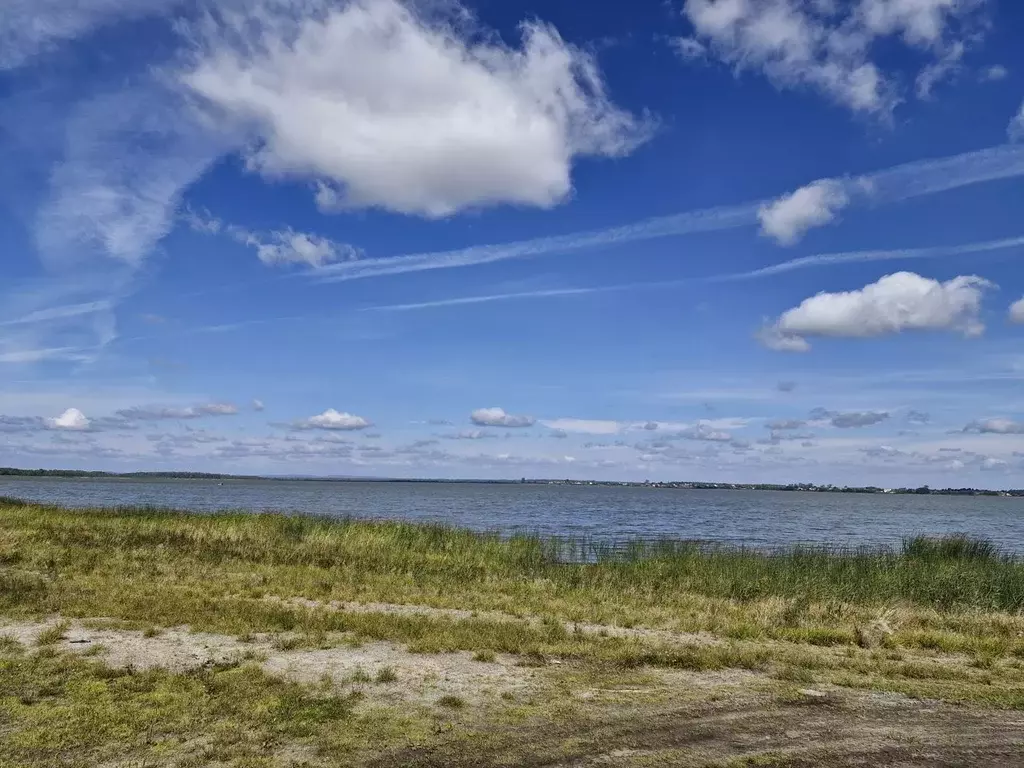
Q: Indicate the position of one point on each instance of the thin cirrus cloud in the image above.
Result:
(828, 47)
(790, 216)
(160, 413)
(585, 426)
(411, 97)
(470, 434)
(497, 417)
(804, 262)
(903, 301)
(891, 185)
(30, 28)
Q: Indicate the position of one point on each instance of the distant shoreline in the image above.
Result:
(678, 485)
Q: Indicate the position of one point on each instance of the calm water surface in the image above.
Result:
(754, 518)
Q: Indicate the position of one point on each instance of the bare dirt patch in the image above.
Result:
(383, 672)
(838, 729)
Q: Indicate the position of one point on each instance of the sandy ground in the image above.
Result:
(419, 677)
(662, 718)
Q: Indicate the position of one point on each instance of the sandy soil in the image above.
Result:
(662, 718)
(419, 677)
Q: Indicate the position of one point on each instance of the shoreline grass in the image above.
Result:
(935, 619)
(952, 573)
(166, 567)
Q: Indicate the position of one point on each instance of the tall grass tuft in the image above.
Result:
(960, 546)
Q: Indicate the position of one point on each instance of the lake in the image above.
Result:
(754, 518)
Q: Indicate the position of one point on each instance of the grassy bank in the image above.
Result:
(214, 572)
(935, 619)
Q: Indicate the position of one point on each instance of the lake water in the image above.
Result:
(754, 518)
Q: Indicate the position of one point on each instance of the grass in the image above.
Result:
(169, 568)
(451, 701)
(240, 573)
(60, 709)
(936, 618)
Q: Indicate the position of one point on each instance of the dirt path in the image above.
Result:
(604, 630)
(839, 729)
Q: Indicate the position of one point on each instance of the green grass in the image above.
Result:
(451, 701)
(59, 709)
(236, 573)
(937, 618)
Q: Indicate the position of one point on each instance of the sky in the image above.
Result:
(720, 240)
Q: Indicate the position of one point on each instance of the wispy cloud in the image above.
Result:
(850, 257)
(485, 299)
(276, 247)
(29, 28)
(709, 220)
(804, 262)
(891, 185)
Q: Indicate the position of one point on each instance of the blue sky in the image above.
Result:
(731, 240)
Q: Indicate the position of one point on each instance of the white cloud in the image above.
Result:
(585, 426)
(789, 217)
(276, 247)
(899, 302)
(29, 28)
(72, 419)
(257, 405)
(1015, 130)
(994, 73)
(408, 111)
(690, 48)
(934, 73)
(773, 338)
(996, 427)
(332, 419)
(291, 247)
(496, 417)
(1017, 311)
(828, 47)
